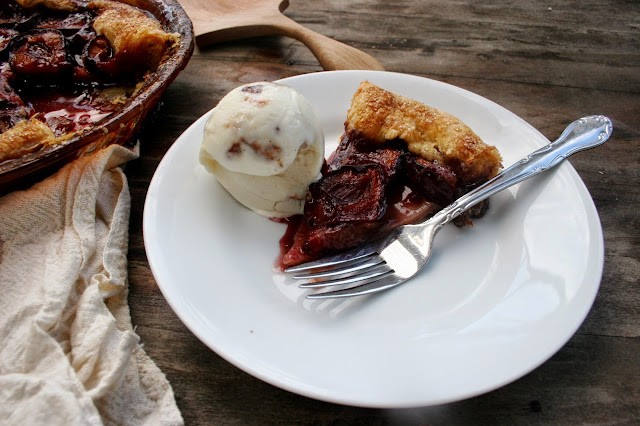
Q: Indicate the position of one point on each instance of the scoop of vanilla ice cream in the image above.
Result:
(265, 146)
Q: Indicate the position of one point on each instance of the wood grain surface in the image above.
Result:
(549, 62)
(224, 20)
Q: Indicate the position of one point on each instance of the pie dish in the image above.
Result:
(109, 61)
(398, 161)
(495, 302)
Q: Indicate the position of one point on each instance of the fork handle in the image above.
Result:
(582, 134)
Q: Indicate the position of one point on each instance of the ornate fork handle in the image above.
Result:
(582, 134)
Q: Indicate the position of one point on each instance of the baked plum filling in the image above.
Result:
(67, 66)
(367, 190)
(398, 162)
(50, 68)
(348, 194)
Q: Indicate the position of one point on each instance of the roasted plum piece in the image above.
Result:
(349, 194)
(327, 239)
(12, 15)
(98, 56)
(303, 243)
(354, 150)
(433, 181)
(41, 53)
(76, 28)
(55, 51)
(68, 24)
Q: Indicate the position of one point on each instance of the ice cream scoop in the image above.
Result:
(264, 144)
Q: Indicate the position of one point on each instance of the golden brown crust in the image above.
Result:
(25, 137)
(135, 37)
(430, 133)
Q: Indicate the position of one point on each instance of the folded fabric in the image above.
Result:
(68, 352)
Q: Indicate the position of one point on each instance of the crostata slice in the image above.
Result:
(399, 161)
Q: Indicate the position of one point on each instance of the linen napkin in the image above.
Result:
(68, 352)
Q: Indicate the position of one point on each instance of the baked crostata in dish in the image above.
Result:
(398, 161)
(67, 64)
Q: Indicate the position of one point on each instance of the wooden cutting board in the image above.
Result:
(215, 21)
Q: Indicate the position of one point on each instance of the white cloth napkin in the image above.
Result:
(68, 353)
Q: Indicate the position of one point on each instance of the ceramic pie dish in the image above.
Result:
(120, 126)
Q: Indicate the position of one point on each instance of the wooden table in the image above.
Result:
(549, 63)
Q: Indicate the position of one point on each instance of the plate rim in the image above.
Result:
(310, 391)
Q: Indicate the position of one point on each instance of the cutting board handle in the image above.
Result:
(331, 54)
(224, 20)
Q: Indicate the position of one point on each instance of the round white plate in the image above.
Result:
(496, 300)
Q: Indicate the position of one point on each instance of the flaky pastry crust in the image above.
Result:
(25, 137)
(430, 133)
(135, 37)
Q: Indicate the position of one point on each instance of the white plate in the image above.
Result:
(496, 300)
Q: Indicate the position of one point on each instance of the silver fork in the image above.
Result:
(397, 257)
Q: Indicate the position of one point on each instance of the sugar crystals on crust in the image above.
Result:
(430, 133)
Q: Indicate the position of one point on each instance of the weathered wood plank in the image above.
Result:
(565, 43)
(547, 66)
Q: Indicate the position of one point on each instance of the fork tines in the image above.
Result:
(361, 266)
